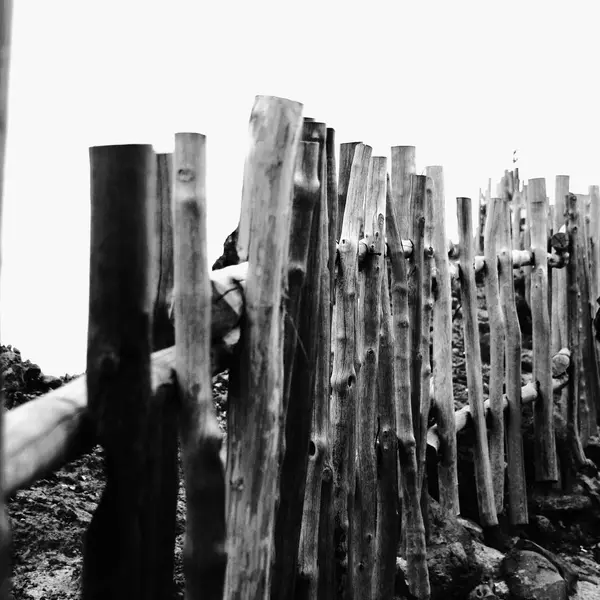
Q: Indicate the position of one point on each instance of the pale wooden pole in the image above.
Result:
(204, 557)
(559, 278)
(346, 366)
(256, 382)
(347, 151)
(594, 235)
(497, 349)
(403, 166)
(546, 468)
(442, 350)
(483, 472)
(122, 181)
(413, 527)
(5, 40)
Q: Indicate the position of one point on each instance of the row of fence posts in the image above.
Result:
(336, 372)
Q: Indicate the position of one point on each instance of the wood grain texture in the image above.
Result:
(559, 280)
(256, 383)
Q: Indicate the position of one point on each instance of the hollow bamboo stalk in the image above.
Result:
(365, 488)
(517, 488)
(256, 394)
(5, 48)
(483, 472)
(497, 350)
(442, 351)
(315, 555)
(546, 468)
(413, 525)
(118, 374)
(387, 454)
(204, 557)
(559, 280)
(346, 158)
(305, 256)
(345, 367)
(573, 307)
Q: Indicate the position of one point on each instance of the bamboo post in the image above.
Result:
(442, 351)
(387, 454)
(365, 487)
(497, 349)
(483, 472)
(256, 394)
(559, 278)
(546, 468)
(413, 525)
(163, 333)
(118, 375)
(347, 151)
(346, 366)
(315, 554)
(305, 260)
(573, 307)
(204, 557)
(5, 42)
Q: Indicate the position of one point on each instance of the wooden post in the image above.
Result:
(497, 344)
(304, 268)
(442, 351)
(204, 557)
(163, 332)
(483, 472)
(413, 525)
(345, 367)
(403, 166)
(594, 237)
(256, 383)
(546, 468)
(346, 158)
(118, 555)
(365, 487)
(332, 208)
(387, 453)
(559, 276)
(5, 40)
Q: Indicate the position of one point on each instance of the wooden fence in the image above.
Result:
(326, 326)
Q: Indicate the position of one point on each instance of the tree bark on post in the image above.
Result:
(345, 368)
(483, 472)
(256, 394)
(497, 349)
(546, 468)
(442, 351)
(118, 555)
(5, 42)
(204, 557)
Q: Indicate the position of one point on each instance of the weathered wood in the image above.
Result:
(304, 266)
(559, 280)
(442, 351)
(365, 485)
(387, 455)
(594, 237)
(5, 51)
(497, 349)
(118, 374)
(161, 284)
(346, 367)
(403, 166)
(315, 553)
(528, 393)
(346, 158)
(256, 382)
(332, 208)
(204, 557)
(483, 472)
(573, 307)
(413, 526)
(546, 468)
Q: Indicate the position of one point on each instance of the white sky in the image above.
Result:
(466, 82)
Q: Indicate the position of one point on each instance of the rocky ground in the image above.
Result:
(50, 518)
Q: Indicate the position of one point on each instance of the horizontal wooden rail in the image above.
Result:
(560, 378)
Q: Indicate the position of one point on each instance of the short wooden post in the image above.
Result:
(483, 472)
(204, 556)
(442, 351)
(118, 545)
(546, 468)
(345, 366)
(497, 351)
(5, 39)
(256, 383)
